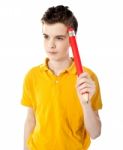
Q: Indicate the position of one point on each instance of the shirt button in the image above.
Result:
(56, 81)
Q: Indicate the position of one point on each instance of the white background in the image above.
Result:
(100, 41)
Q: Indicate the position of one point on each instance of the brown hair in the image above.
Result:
(60, 14)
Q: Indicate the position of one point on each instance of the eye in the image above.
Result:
(59, 38)
(45, 36)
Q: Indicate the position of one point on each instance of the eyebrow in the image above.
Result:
(63, 36)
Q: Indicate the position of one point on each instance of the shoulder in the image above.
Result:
(90, 72)
(33, 71)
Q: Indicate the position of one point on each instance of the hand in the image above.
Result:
(85, 85)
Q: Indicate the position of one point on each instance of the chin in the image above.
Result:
(55, 58)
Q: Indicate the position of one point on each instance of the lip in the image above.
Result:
(52, 53)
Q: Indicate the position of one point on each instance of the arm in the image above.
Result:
(91, 118)
(92, 121)
(29, 126)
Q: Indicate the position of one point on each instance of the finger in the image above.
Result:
(82, 81)
(84, 74)
(87, 90)
(84, 85)
(85, 81)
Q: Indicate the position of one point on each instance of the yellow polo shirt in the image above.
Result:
(58, 112)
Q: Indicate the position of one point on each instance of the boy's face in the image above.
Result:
(56, 41)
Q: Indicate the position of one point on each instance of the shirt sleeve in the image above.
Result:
(96, 100)
(27, 99)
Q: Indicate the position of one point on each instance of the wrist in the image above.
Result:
(86, 104)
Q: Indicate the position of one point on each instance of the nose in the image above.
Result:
(52, 44)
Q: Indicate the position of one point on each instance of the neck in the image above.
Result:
(59, 66)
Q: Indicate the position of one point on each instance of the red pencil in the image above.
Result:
(75, 51)
(76, 56)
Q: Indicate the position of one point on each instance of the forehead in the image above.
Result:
(54, 29)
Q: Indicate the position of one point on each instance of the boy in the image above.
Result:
(58, 117)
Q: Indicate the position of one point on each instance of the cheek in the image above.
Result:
(45, 44)
(65, 50)
(65, 45)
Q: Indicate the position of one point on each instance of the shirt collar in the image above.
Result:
(71, 69)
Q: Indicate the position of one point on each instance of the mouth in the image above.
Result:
(52, 53)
